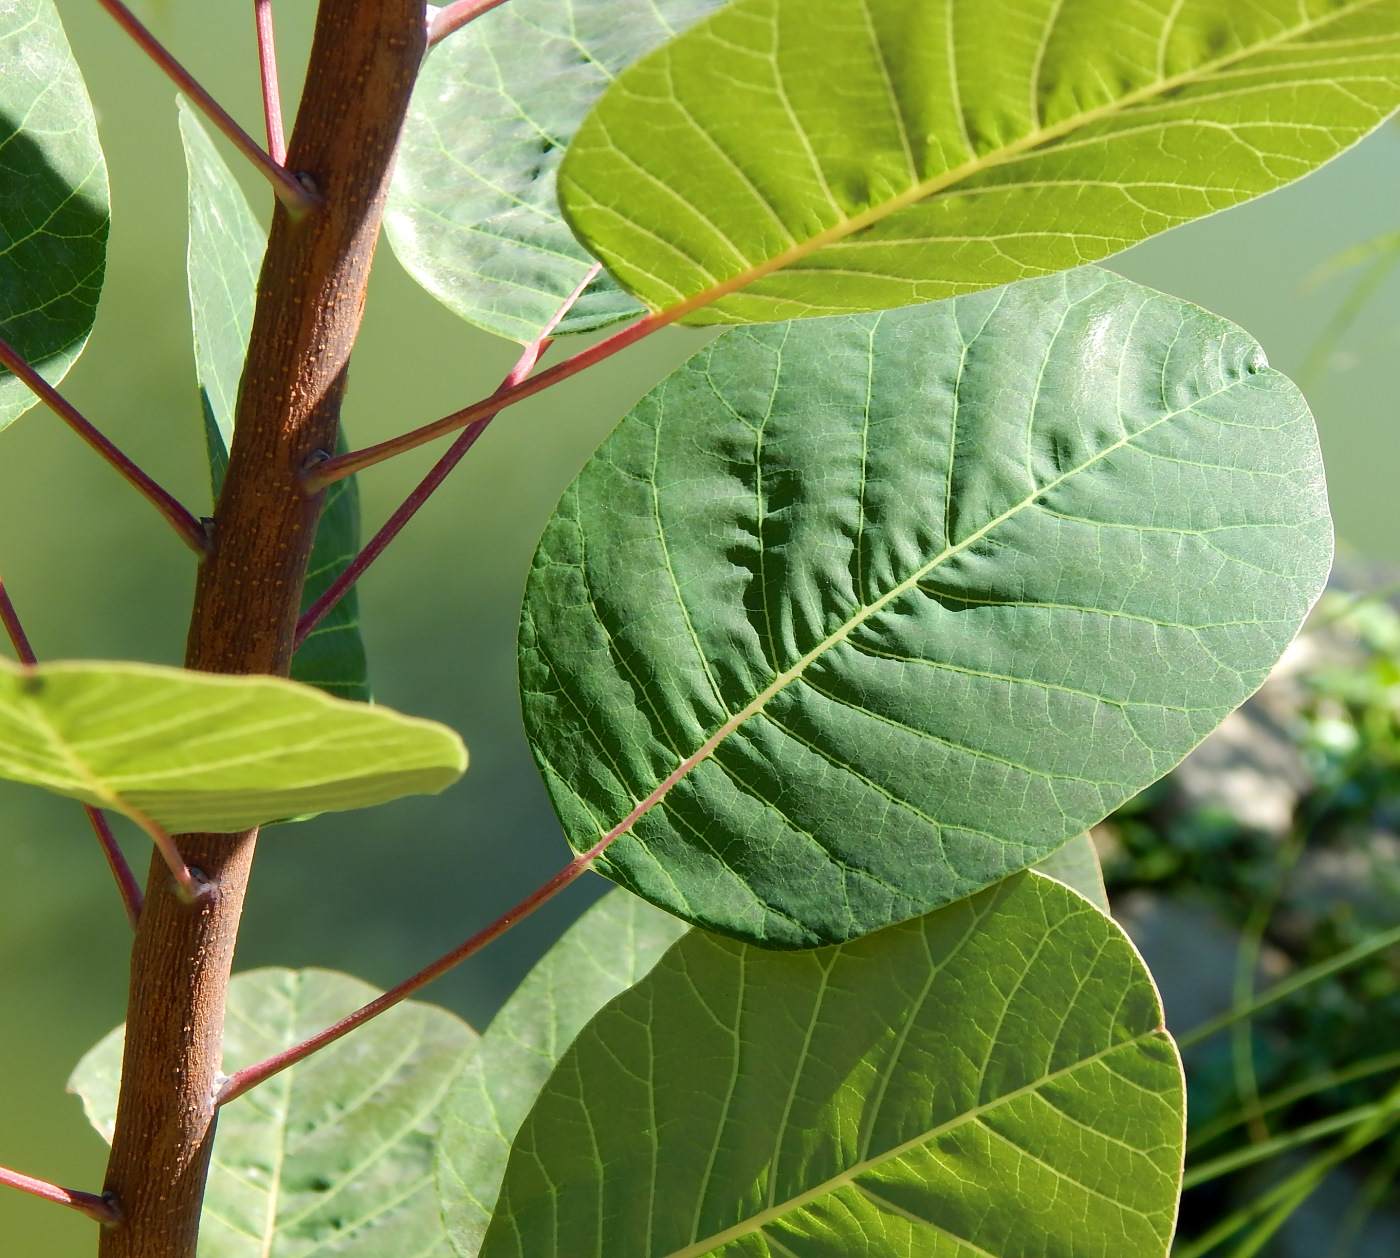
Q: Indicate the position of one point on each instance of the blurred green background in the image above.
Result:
(95, 573)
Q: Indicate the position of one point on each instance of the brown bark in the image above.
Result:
(310, 297)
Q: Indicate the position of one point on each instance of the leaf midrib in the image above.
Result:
(999, 157)
(762, 1218)
(784, 679)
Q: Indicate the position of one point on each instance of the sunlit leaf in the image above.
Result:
(225, 255)
(846, 155)
(850, 618)
(199, 751)
(472, 212)
(53, 200)
(334, 1155)
(991, 1080)
(607, 950)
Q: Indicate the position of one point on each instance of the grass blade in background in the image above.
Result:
(225, 255)
(53, 200)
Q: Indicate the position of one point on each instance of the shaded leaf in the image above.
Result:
(472, 213)
(334, 1154)
(225, 255)
(205, 752)
(988, 1081)
(1077, 866)
(608, 949)
(857, 616)
(848, 155)
(53, 200)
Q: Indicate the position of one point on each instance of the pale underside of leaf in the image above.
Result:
(53, 200)
(991, 1079)
(195, 751)
(851, 618)
(333, 1156)
(472, 211)
(1077, 866)
(605, 952)
(842, 155)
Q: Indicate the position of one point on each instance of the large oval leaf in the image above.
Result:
(225, 255)
(606, 951)
(201, 752)
(472, 212)
(844, 155)
(850, 618)
(991, 1080)
(335, 1154)
(53, 200)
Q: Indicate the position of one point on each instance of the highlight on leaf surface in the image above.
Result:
(853, 617)
(226, 247)
(472, 211)
(334, 1154)
(847, 155)
(605, 952)
(54, 209)
(989, 1080)
(205, 752)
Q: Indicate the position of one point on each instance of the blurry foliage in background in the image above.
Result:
(1278, 842)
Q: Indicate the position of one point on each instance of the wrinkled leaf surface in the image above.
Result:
(850, 618)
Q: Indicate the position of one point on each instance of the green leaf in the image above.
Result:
(852, 617)
(53, 200)
(991, 1080)
(606, 951)
(472, 213)
(226, 249)
(225, 256)
(846, 155)
(203, 752)
(334, 1154)
(333, 656)
(1077, 866)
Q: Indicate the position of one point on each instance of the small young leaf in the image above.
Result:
(992, 1079)
(204, 752)
(846, 155)
(53, 200)
(472, 213)
(852, 617)
(225, 255)
(335, 1153)
(607, 950)
(1077, 866)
